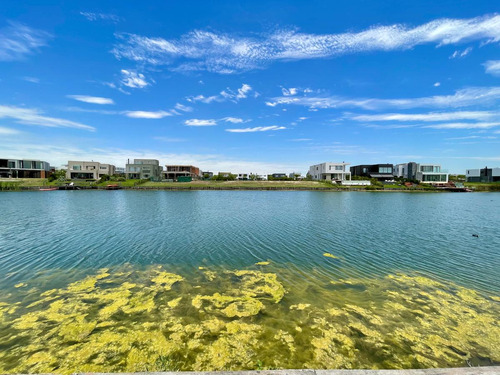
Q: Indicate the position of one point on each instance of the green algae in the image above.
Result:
(155, 320)
(264, 263)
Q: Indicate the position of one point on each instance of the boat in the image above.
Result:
(49, 189)
(113, 187)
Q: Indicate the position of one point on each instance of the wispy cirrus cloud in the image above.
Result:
(184, 108)
(226, 53)
(8, 131)
(257, 129)
(91, 99)
(461, 98)
(30, 116)
(147, 114)
(31, 79)
(200, 122)
(17, 41)
(169, 139)
(492, 67)
(225, 95)
(464, 125)
(459, 54)
(93, 16)
(426, 117)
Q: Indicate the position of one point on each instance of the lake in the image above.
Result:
(227, 280)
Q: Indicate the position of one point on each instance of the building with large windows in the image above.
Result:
(483, 175)
(88, 170)
(144, 169)
(424, 173)
(335, 172)
(382, 172)
(184, 172)
(23, 168)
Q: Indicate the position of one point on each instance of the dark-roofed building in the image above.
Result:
(381, 172)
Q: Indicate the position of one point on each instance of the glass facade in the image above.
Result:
(385, 170)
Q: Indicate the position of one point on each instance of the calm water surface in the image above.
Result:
(396, 260)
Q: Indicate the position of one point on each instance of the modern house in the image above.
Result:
(278, 175)
(144, 169)
(335, 172)
(382, 172)
(243, 176)
(15, 168)
(173, 172)
(88, 170)
(483, 175)
(424, 173)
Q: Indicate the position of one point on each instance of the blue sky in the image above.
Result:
(261, 86)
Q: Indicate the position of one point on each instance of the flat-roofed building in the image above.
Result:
(144, 169)
(381, 172)
(24, 168)
(335, 172)
(483, 175)
(424, 173)
(173, 172)
(88, 170)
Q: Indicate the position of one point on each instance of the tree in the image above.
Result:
(59, 175)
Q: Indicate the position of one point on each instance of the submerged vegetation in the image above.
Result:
(153, 319)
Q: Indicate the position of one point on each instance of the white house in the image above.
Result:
(335, 172)
(88, 170)
(425, 173)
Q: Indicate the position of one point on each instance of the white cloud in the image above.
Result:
(226, 54)
(133, 79)
(301, 139)
(460, 54)
(289, 92)
(8, 131)
(225, 95)
(91, 16)
(437, 84)
(147, 114)
(464, 125)
(31, 79)
(256, 129)
(184, 108)
(461, 98)
(492, 67)
(427, 117)
(18, 41)
(92, 99)
(234, 120)
(198, 122)
(470, 137)
(30, 116)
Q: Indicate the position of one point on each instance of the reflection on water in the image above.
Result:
(154, 318)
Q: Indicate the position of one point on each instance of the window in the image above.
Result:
(77, 167)
(101, 167)
(339, 167)
(384, 170)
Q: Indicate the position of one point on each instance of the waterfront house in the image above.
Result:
(335, 172)
(277, 176)
(184, 172)
(424, 173)
(381, 172)
(144, 169)
(207, 175)
(88, 170)
(243, 176)
(24, 168)
(483, 175)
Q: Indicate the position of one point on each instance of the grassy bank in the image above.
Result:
(481, 186)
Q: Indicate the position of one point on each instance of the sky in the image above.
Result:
(251, 86)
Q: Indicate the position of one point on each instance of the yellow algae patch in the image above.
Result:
(228, 305)
(266, 263)
(495, 298)
(300, 306)
(260, 284)
(136, 322)
(166, 279)
(20, 285)
(174, 303)
(85, 285)
(328, 255)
